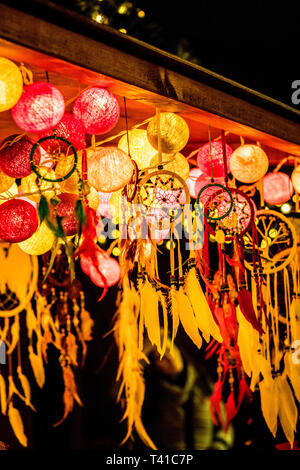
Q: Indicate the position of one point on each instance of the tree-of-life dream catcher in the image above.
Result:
(231, 282)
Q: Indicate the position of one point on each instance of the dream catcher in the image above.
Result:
(228, 216)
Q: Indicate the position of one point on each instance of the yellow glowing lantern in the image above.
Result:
(93, 199)
(140, 148)
(248, 163)
(5, 182)
(296, 179)
(40, 242)
(32, 184)
(109, 169)
(177, 163)
(11, 84)
(174, 132)
(63, 167)
(12, 191)
(118, 206)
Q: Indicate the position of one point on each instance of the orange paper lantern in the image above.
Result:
(248, 163)
(109, 169)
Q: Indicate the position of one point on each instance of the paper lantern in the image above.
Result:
(204, 180)
(32, 184)
(98, 110)
(109, 169)
(15, 158)
(12, 191)
(63, 167)
(5, 182)
(248, 163)
(141, 150)
(103, 208)
(213, 152)
(278, 188)
(109, 268)
(194, 174)
(66, 209)
(18, 220)
(176, 163)
(39, 109)
(296, 178)
(174, 132)
(11, 84)
(70, 129)
(40, 242)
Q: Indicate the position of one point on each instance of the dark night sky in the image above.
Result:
(254, 43)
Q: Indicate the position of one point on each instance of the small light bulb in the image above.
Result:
(116, 251)
(286, 208)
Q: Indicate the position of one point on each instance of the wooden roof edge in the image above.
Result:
(60, 16)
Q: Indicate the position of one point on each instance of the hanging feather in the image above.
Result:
(269, 404)
(246, 342)
(247, 309)
(70, 393)
(203, 315)
(163, 303)
(215, 404)
(17, 424)
(174, 309)
(25, 385)
(37, 365)
(287, 410)
(3, 400)
(150, 313)
(293, 372)
(187, 317)
(15, 334)
(231, 409)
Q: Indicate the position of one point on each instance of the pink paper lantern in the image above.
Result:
(103, 208)
(278, 188)
(18, 220)
(98, 110)
(70, 129)
(204, 158)
(108, 267)
(39, 109)
(15, 158)
(191, 181)
(204, 180)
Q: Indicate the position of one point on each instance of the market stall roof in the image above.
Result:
(72, 52)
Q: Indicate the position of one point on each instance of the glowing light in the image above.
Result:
(273, 233)
(174, 132)
(116, 251)
(139, 146)
(11, 84)
(123, 30)
(286, 208)
(248, 163)
(278, 188)
(122, 10)
(168, 245)
(115, 233)
(102, 239)
(141, 14)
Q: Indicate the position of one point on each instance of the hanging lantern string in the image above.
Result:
(158, 136)
(126, 123)
(27, 75)
(210, 155)
(9, 143)
(224, 157)
(284, 160)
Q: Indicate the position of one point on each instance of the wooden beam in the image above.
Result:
(36, 41)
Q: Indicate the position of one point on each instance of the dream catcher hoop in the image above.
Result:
(56, 155)
(17, 286)
(276, 241)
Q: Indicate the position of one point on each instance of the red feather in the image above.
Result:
(247, 309)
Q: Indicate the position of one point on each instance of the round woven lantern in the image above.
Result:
(108, 267)
(70, 129)
(63, 167)
(66, 209)
(248, 163)
(140, 148)
(39, 109)
(5, 181)
(296, 178)
(33, 184)
(109, 169)
(278, 188)
(12, 191)
(194, 174)
(11, 84)
(211, 154)
(176, 163)
(40, 242)
(174, 132)
(18, 220)
(93, 199)
(98, 110)
(15, 158)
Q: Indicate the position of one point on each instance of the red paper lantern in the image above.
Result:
(18, 220)
(15, 158)
(66, 209)
(70, 129)
(39, 109)
(204, 159)
(98, 110)
(108, 267)
(278, 188)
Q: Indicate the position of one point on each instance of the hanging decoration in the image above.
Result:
(249, 163)
(11, 84)
(278, 188)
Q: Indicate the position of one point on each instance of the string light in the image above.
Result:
(286, 208)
